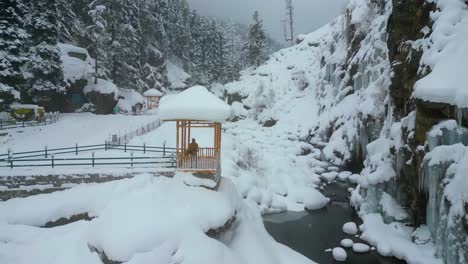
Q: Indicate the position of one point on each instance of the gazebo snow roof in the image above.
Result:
(195, 103)
(152, 93)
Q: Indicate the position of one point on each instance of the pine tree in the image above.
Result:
(97, 33)
(233, 49)
(46, 82)
(256, 43)
(13, 38)
(69, 26)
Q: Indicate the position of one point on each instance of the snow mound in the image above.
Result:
(350, 228)
(75, 68)
(141, 220)
(195, 103)
(130, 98)
(393, 239)
(339, 254)
(445, 51)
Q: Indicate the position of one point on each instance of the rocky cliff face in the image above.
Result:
(369, 71)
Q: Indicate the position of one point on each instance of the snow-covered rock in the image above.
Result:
(339, 254)
(347, 243)
(360, 248)
(350, 228)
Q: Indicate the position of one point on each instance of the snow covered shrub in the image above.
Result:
(300, 80)
(88, 107)
(248, 159)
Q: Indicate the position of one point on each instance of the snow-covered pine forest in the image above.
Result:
(350, 146)
(136, 45)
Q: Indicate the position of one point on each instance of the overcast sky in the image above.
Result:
(310, 14)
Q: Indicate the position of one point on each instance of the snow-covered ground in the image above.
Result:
(81, 128)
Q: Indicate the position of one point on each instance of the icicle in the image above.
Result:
(459, 115)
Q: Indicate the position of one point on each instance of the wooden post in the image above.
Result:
(177, 142)
(189, 131)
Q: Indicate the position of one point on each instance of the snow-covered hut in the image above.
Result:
(153, 97)
(193, 108)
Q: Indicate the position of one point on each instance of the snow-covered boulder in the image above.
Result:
(104, 95)
(129, 98)
(339, 254)
(347, 243)
(361, 248)
(350, 228)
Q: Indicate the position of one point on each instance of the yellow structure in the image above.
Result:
(196, 108)
(207, 159)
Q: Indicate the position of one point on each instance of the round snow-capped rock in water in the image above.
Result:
(347, 243)
(361, 248)
(344, 175)
(339, 254)
(350, 228)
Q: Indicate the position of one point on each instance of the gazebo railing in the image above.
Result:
(205, 160)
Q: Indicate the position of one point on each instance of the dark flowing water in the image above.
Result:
(311, 233)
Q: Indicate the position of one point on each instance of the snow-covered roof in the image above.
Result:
(24, 106)
(152, 93)
(195, 103)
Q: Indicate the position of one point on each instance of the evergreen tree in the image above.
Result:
(13, 38)
(233, 49)
(97, 33)
(256, 43)
(69, 26)
(45, 67)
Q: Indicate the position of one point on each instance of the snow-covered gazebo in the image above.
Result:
(152, 98)
(193, 108)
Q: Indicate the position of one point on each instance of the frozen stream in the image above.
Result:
(311, 233)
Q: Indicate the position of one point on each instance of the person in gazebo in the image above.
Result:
(192, 149)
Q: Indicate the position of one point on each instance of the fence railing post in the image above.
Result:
(1, 124)
(105, 145)
(144, 148)
(131, 159)
(76, 149)
(45, 152)
(92, 158)
(53, 164)
(125, 147)
(10, 158)
(164, 148)
(23, 123)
